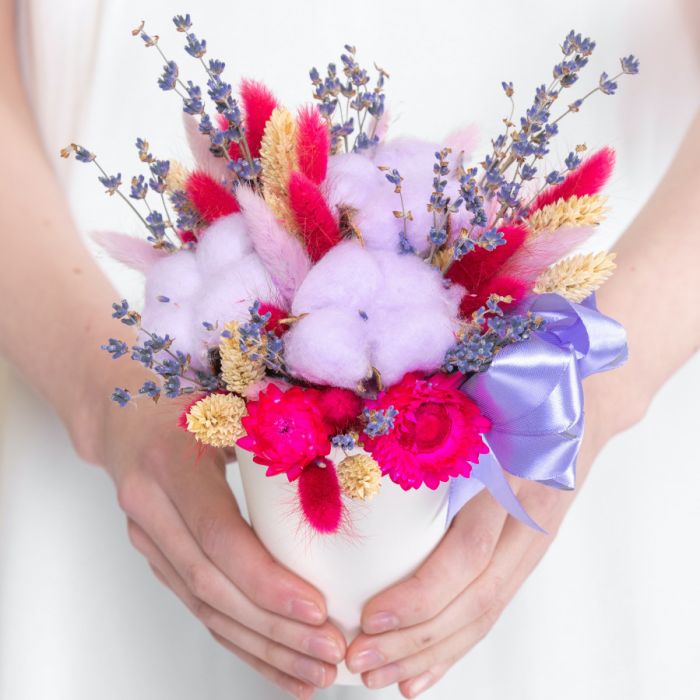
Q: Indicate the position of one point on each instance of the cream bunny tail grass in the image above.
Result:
(278, 155)
(576, 277)
(588, 210)
(176, 179)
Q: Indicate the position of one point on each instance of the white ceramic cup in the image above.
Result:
(382, 541)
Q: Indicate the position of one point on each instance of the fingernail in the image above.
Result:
(383, 676)
(381, 622)
(365, 660)
(306, 611)
(323, 647)
(309, 670)
(418, 685)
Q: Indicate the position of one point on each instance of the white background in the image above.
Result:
(613, 610)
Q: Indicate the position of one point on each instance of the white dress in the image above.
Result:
(613, 610)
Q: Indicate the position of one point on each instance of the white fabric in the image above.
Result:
(613, 610)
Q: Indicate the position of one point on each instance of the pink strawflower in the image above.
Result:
(436, 435)
(285, 431)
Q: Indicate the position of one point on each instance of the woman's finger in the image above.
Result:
(209, 587)
(204, 500)
(461, 556)
(413, 687)
(276, 655)
(445, 653)
(372, 651)
(518, 550)
(294, 686)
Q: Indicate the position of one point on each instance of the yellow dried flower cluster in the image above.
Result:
(588, 210)
(239, 369)
(576, 277)
(278, 156)
(216, 419)
(359, 476)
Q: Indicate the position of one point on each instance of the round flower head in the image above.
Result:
(239, 369)
(216, 419)
(436, 434)
(359, 477)
(286, 430)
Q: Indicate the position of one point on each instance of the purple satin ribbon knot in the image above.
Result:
(533, 395)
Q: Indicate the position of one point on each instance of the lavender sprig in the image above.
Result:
(156, 353)
(440, 205)
(347, 97)
(345, 441)
(395, 178)
(529, 142)
(220, 92)
(490, 331)
(379, 422)
(138, 191)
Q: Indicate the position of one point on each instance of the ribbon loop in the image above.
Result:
(533, 395)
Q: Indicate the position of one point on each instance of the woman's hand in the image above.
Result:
(184, 519)
(415, 631)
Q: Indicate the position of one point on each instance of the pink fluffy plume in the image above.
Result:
(281, 253)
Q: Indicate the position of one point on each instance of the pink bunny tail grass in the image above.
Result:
(135, 253)
(313, 216)
(199, 146)
(319, 497)
(502, 285)
(541, 251)
(258, 104)
(281, 253)
(313, 144)
(210, 198)
(479, 266)
(462, 142)
(589, 178)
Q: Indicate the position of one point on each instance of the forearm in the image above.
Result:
(54, 300)
(654, 293)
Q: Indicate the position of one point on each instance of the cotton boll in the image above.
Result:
(408, 340)
(347, 276)
(376, 221)
(224, 243)
(351, 180)
(176, 321)
(175, 276)
(329, 346)
(228, 295)
(355, 181)
(408, 279)
(414, 159)
(406, 154)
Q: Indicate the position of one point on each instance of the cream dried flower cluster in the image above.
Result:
(239, 369)
(216, 419)
(359, 476)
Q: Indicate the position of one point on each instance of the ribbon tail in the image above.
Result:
(462, 489)
(489, 472)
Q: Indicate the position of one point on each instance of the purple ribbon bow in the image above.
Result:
(532, 394)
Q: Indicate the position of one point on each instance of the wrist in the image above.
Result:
(609, 409)
(87, 408)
